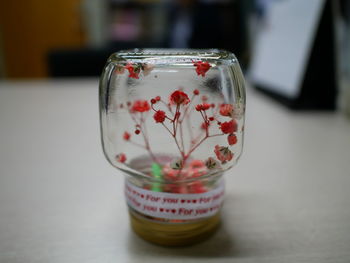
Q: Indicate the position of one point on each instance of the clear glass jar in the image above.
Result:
(173, 122)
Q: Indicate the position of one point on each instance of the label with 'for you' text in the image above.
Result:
(174, 206)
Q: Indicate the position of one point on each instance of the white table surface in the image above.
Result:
(60, 201)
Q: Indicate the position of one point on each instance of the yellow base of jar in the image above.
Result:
(174, 234)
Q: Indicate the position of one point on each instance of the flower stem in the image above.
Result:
(200, 142)
(145, 137)
(167, 129)
(168, 106)
(187, 107)
(146, 146)
(182, 137)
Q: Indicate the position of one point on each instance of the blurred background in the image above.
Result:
(288, 199)
(73, 38)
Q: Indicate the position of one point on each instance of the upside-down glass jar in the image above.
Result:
(173, 121)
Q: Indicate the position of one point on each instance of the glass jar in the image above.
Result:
(173, 122)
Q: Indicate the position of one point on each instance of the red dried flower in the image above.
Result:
(204, 106)
(228, 126)
(179, 97)
(169, 172)
(197, 164)
(134, 75)
(211, 118)
(153, 101)
(223, 153)
(211, 163)
(140, 106)
(197, 187)
(201, 67)
(196, 92)
(226, 110)
(232, 139)
(204, 98)
(212, 105)
(204, 125)
(133, 71)
(157, 98)
(196, 168)
(159, 116)
(177, 164)
(137, 131)
(126, 136)
(121, 158)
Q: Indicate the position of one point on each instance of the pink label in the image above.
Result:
(174, 206)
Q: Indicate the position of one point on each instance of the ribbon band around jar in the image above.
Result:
(175, 205)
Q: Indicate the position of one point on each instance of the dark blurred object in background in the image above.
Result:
(77, 63)
(343, 27)
(212, 24)
(59, 38)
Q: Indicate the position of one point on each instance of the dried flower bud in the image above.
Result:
(177, 164)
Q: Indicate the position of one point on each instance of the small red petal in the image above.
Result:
(153, 101)
(121, 157)
(205, 125)
(126, 136)
(232, 139)
(205, 106)
(157, 98)
(137, 131)
(196, 92)
(201, 67)
(140, 106)
(226, 109)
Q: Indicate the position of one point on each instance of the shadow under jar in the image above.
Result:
(173, 122)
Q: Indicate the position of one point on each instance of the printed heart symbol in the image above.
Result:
(168, 210)
(142, 196)
(188, 201)
(182, 201)
(173, 211)
(194, 201)
(161, 209)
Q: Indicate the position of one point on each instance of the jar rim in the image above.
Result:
(149, 179)
(173, 56)
(139, 168)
